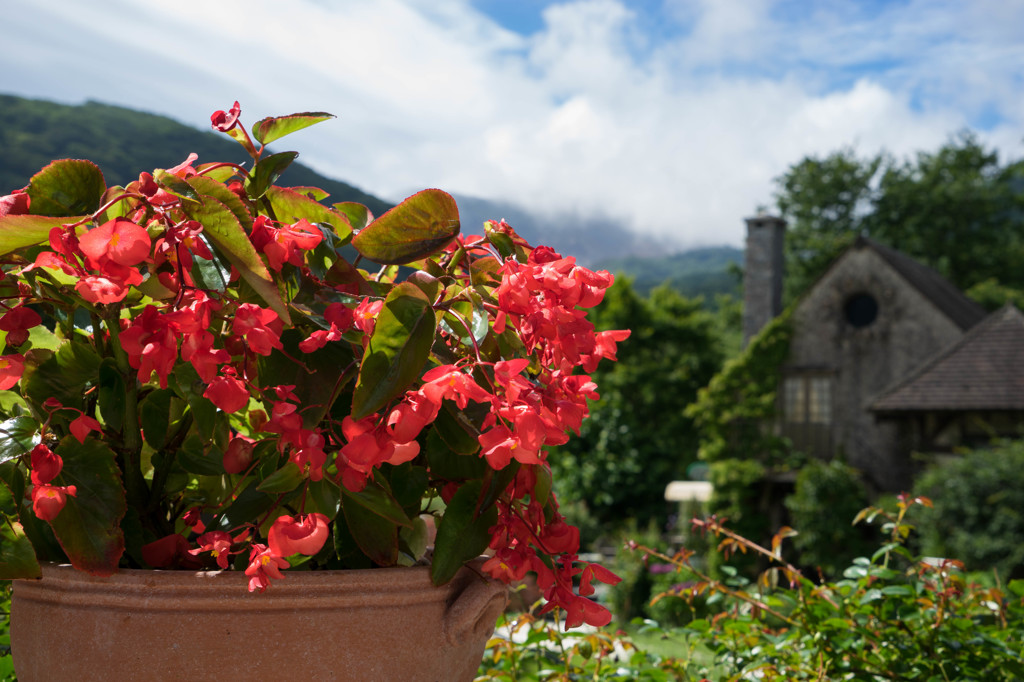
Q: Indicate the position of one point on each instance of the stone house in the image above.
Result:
(887, 358)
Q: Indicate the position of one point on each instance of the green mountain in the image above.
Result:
(705, 271)
(123, 142)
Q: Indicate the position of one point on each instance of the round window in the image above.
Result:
(861, 310)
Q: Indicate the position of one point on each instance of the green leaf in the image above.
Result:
(317, 379)
(376, 499)
(17, 556)
(213, 274)
(274, 128)
(201, 457)
(462, 534)
(248, 505)
(18, 436)
(68, 187)
(20, 231)
(266, 173)
(112, 394)
(208, 187)
(291, 206)
(155, 412)
(323, 496)
(408, 483)
(447, 464)
(420, 226)
(89, 526)
(190, 387)
(222, 227)
(397, 351)
(284, 480)
(175, 185)
(375, 535)
(358, 215)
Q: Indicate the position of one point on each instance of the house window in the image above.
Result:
(861, 310)
(807, 412)
(807, 399)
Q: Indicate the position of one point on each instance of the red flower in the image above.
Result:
(238, 455)
(49, 500)
(81, 427)
(151, 345)
(263, 565)
(224, 122)
(304, 534)
(11, 369)
(45, 463)
(16, 322)
(261, 328)
(16, 203)
(119, 240)
(227, 393)
(170, 551)
(218, 543)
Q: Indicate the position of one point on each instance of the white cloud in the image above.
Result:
(676, 131)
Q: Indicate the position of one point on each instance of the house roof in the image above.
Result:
(964, 312)
(984, 370)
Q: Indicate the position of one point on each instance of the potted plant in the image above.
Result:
(208, 372)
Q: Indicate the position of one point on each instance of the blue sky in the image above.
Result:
(670, 117)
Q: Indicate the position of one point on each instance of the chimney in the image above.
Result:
(762, 273)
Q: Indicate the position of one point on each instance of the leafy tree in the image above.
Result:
(638, 439)
(825, 200)
(734, 414)
(957, 210)
(978, 513)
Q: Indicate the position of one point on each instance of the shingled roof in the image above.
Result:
(984, 370)
(964, 312)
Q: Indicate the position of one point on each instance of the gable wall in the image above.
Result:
(863, 361)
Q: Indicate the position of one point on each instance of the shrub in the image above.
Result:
(892, 616)
(978, 515)
(828, 541)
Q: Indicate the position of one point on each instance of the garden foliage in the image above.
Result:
(891, 616)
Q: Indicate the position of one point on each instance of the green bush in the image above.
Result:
(978, 515)
(891, 616)
(828, 541)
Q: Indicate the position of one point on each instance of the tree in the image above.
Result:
(825, 200)
(638, 439)
(957, 210)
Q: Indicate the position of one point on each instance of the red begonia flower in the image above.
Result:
(238, 455)
(16, 203)
(263, 565)
(119, 240)
(225, 121)
(45, 464)
(16, 322)
(49, 500)
(218, 543)
(82, 425)
(227, 393)
(170, 551)
(304, 534)
(11, 369)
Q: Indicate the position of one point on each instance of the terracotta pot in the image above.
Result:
(383, 624)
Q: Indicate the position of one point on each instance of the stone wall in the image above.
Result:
(834, 336)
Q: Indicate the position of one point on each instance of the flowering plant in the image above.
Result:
(198, 374)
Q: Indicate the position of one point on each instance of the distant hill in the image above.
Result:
(705, 271)
(123, 142)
